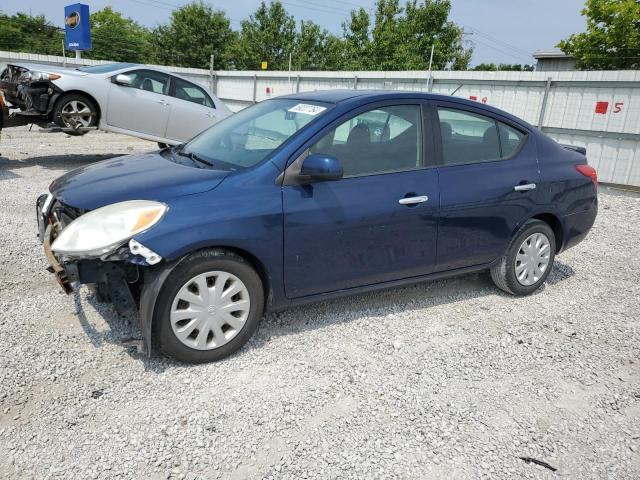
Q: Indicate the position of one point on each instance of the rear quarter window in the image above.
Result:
(468, 137)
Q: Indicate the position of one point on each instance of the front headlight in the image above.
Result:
(101, 231)
(35, 76)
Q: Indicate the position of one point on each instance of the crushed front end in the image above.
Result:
(115, 276)
(31, 95)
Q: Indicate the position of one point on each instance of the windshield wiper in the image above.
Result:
(193, 157)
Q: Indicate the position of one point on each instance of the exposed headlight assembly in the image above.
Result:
(35, 76)
(102, 230)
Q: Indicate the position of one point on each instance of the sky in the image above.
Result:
(500, 31)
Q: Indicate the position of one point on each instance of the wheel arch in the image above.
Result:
(154, 280)
(556, 226)
(84, 94)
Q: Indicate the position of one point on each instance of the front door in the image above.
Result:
(488, 180)
(376, 224)
(143, 106)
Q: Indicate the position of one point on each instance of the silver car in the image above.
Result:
(126, 98)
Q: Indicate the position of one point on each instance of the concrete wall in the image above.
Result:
(596, 110)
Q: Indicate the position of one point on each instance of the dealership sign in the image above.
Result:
(76, 27)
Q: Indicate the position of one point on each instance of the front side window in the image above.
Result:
(387, 139)
(471, 138)
(150, 81)
(191, 93)
(249, 136)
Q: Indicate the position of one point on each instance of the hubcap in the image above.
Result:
(76, 114)
(210, 310)
(532, 259)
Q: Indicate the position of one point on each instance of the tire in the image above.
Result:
(75, 102)
(209, 338)
(505, 272)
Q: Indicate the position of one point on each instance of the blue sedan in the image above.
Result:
(309, 197)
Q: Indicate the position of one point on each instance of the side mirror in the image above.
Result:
(322, 167)
(123, 79)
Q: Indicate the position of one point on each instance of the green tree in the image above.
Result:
(401, 39)
(612, 38)
(195, 32)
(425, 24)
(25, 33)
(357, 42)
(269, 35)
(115, 37)
(315, 48)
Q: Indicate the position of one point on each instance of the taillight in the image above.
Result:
(588, 171)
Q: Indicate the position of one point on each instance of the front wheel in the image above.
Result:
(209, 307)
(529, 259)
(75, 111)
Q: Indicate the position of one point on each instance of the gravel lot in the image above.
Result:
(450, 379)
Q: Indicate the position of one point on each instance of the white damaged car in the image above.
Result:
(127, 98)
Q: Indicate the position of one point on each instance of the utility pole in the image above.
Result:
(289, 79)
(212, 59)
(64, 55)
(430, 79)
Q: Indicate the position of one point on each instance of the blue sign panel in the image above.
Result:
(76, 27)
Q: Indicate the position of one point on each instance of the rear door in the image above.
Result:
(488, 177)
(143, 106)
(376, 224)
(192, 111)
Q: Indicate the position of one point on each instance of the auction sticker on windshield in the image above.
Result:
(307, 109)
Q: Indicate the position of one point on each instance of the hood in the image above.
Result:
(133, 177)
(37, 67)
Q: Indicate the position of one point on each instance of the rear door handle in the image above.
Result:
(413, 200)
(524, 188)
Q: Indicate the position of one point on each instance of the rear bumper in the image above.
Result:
(576, 227)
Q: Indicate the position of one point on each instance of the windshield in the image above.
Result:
(109, 67)
(249, 136)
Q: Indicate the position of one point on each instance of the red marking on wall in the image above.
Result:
(617, 107)
(602, 107)
(485, 99)
(474, 98)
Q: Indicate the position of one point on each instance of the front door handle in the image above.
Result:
(524, 188)
(413, 200)
(163, 102)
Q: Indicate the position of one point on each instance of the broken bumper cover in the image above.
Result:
(118, 278)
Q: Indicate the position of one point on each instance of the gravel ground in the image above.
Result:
(449, 379)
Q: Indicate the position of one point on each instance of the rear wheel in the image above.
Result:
(75, 111)
(529, 259)
(209, 307)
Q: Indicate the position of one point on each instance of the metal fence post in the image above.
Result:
(215, 83)
(543, 107)
(355, 82)
(255, 87)
(297, 83)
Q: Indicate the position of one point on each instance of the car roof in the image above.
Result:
(366, 96)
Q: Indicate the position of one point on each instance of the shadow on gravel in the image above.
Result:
(125, 332)
(393, 301)
(9, 167)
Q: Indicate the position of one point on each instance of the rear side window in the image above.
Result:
(471, 138)
(510, 139)
(191, 93)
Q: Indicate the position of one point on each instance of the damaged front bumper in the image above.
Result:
(34, 98)
(130, 277)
